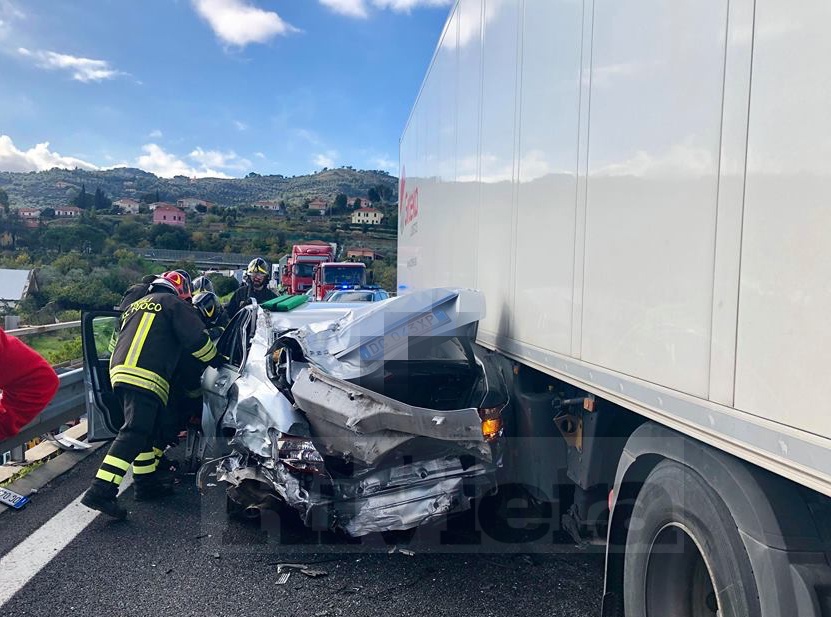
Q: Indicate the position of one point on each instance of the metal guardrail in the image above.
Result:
(52, 327)
(68, 404)
(200, 258)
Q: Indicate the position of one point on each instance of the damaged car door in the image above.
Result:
(218, 382)
(99, 330)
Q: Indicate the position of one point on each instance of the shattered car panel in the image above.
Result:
(364, 425)
(360, 341)
(362, 419)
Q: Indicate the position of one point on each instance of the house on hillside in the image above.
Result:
(28, 213)
(268, 204)
(30, 216)
(189, 204)
(363, 254)
(67, 212)
(367, 216)
(15, 286)
(129, 206)
(159, 204)
(169, 215)
(319, 205)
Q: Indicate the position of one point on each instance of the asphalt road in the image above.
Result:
(184, 557)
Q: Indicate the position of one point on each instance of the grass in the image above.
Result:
(24, 471)
(54, 346)
(65, 345)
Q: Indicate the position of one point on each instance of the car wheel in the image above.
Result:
(684, 556)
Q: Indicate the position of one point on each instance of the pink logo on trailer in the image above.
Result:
(408, 203)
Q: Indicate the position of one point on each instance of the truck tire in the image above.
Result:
(684, 556)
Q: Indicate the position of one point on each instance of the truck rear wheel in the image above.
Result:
(684, 556)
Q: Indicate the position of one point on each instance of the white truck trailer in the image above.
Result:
(642, 189)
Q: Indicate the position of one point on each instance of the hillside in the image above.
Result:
(56, 187)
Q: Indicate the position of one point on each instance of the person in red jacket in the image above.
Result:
(27, 383)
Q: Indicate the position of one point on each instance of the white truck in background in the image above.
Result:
(642, 190)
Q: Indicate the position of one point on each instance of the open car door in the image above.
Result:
(217, 382)
(104, 413)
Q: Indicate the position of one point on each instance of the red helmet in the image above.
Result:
(179, 283)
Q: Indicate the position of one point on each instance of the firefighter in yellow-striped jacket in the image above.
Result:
(156, 331)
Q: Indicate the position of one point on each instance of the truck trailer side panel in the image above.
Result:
(784, 329)
(583, 163)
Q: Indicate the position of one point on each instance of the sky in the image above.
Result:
(214, 88)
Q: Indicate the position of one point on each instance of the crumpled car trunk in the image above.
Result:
(368, 422)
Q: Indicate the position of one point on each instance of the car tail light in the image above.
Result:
(491, 422)
(299, 454)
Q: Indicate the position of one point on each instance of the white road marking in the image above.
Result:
(24, 561)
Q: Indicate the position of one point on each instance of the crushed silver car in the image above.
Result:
(363, 418)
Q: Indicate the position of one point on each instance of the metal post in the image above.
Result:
(18, 454)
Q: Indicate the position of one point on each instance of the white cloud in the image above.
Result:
(8, 13)
(222, 160)
(157, 161)
(239, 23)
(325, 159)
(308, 136)
(155, 134)
(259, 155)
(207, 163)
(405, 6)
(241, 126)
(39, 158)
(82, 69)
(350, 8)
(385, 163)
(360, 8)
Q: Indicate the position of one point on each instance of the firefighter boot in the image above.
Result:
(103, 500)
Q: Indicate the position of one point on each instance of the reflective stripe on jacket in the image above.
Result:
(155, 331)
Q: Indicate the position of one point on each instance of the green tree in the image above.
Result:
(151, 197)
(169, 237)
(81, 199)
(340, 202)
(374, 196)
(4, 202)
(101, 201)
(223, 285)
(385, 191)
(357, 203)
(80, 237)
(130, 233)
(87, 294)
(384, 274)
(47, 213)
(70, 261)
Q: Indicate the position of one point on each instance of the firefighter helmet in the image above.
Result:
(209, 307)
(258, 272)
(202, 283)
(258, 265)
(175, 282)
